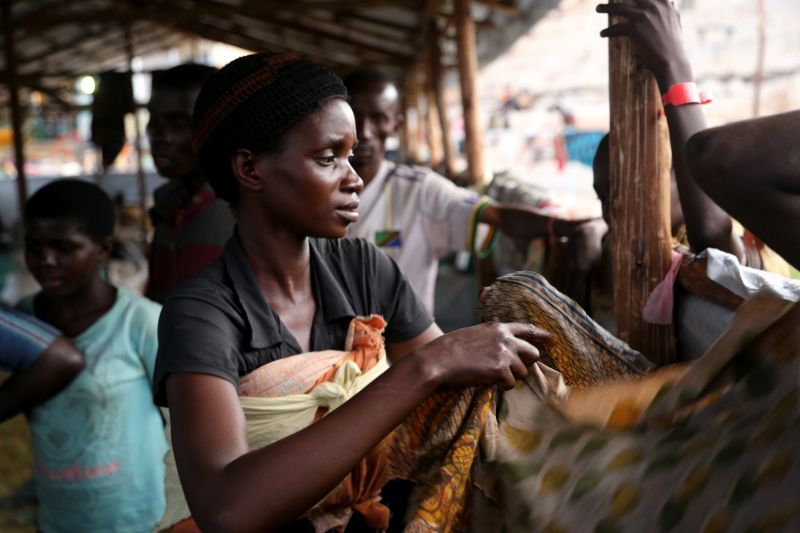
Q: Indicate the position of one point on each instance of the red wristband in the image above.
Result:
(685, 93)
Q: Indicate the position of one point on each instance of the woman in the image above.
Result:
(275, 134)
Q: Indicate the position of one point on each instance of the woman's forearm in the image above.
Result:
(267, 487)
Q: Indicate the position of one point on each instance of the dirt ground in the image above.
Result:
(15, 468)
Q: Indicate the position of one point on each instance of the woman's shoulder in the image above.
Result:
(208, 287)
(208, 298)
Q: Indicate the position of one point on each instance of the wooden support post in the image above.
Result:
(403, 135)
(409, 132)
(640, 162)
(758, 76)
(437, 86)
(16, 110)
(467, 72)
(414, 116)
(140, 177)
(434, 133)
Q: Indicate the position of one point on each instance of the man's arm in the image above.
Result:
(654, 28)
(526, 223)
(752, 169)
(584, 249)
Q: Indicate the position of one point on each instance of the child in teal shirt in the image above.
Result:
(99, 444)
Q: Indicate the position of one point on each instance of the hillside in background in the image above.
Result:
(562, 62)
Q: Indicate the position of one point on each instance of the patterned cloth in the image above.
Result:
(594, 439)
(710, 446)
(287, 395)
(22, 339)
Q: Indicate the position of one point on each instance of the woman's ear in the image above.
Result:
(243, 164)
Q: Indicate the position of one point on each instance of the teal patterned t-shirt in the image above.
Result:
(99, 444)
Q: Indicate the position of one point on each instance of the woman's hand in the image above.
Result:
(654, 26)
(487, 354)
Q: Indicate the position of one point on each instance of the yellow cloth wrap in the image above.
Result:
(272, 419)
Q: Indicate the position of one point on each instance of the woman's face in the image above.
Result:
(309, 187)
(61, 256)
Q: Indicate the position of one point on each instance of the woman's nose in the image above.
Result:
(352, 181)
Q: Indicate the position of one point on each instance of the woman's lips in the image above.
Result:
(349, 212)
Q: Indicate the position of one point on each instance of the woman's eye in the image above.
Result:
(326, 160)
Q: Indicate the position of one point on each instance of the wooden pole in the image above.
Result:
(16, 110)
(434, 133)
(437, 86)
(403, 136)
(140, 177)
(758, 78)
(640, 162)
(410, 130)
(467, 72)
(414, 117)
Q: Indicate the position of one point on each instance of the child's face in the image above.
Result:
(61, 256)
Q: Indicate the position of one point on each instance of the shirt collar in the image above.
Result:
(264, 324)
(264, 328)
(328, 289)
(374, 190)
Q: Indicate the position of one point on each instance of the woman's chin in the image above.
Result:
(334, 233)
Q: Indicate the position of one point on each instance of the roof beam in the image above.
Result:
(242, 40)
(506, 6)
(268, 16)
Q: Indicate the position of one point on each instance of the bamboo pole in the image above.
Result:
(467, 72)
(434, 132)
(640, 163)
(758, 77)
(403, 134)
(437, 86)
(140, 177)
(427, 120)
(414, 116)
(16, 110)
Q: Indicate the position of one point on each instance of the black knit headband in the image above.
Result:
(252, 101)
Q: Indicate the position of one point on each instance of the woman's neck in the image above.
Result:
(74, 313)
(279, 259)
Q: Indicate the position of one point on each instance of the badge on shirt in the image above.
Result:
(388, 238)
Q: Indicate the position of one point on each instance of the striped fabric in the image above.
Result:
(22, 339)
